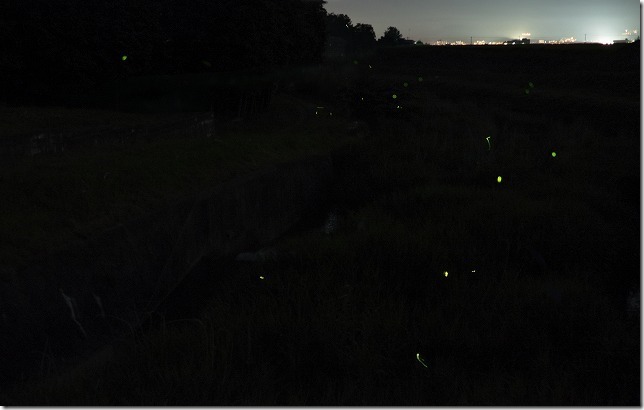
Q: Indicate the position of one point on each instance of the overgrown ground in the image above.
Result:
(51, 199)
(532, 309)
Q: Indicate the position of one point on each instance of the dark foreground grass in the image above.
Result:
(511, 293)
(52, 199)
(343, 321)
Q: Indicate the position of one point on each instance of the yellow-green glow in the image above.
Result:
(399, 107)
(527, 91)
(420, 359)
(261, 277)
(361, 98)
(446, 273)
(531, 85)
(554, 154)
(420, 79)
(473, 270)
(489, 145)
(406, 84)
(394, 96)
(499, 179)
(370, 66)
(123, 58)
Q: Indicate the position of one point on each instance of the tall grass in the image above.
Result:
(530, 312)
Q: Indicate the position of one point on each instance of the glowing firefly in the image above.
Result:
(489, 145)
(123, 58)
(531, 85)
(499, 179)
(446, 273)
(554, 154)
(527, 91)
(406, 84)
(394, 96)
(261, 277)
(420, 79)
(420, 359)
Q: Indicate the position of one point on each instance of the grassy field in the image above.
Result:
(54, 198)
(441, 285)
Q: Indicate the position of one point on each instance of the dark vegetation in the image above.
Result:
(533, 310)
(87, 44)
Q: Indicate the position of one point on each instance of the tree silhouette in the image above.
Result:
(391, 37)
(364, 37)
(81, 43)
(358, 39)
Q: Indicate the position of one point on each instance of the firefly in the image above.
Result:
(394, 96)
(554, 154)
(123, 58)
(406, 84)
(420, 359)
(446, 273)
(499, 179)
(489, 145)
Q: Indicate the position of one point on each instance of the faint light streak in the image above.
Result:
(420, 359)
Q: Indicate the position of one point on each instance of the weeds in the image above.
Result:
(523, 318)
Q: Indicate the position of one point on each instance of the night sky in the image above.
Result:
(432, 20)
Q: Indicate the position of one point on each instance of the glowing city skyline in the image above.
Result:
(472, 20)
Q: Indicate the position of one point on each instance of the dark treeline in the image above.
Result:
(344, 38)
(56, 47)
